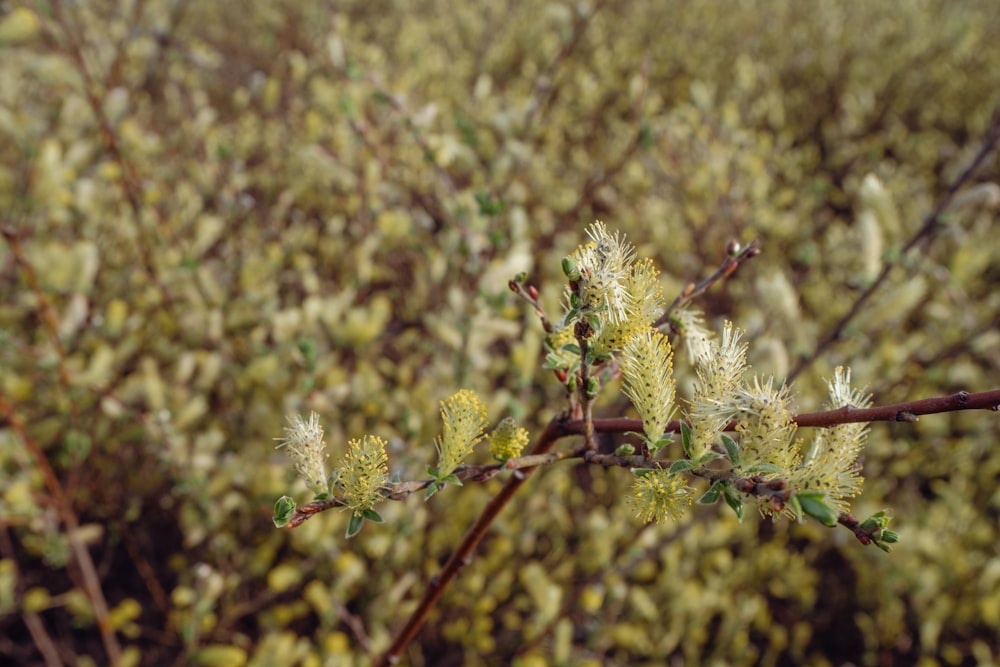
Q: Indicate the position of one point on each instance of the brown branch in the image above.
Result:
(927, 230)
(552, 432)
(776, 492)
(91, 581)
(726, 269)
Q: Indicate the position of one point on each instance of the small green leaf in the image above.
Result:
(284, 508)
(712, 495)
(451, 479)
(706, 457)
(625, 450)
(890, 536)
(642, 472)
(762, 468)
(521, 277)
(682, 465)
(732, 450)
(813, 505)
(687, 437)
(354, 525)
(572, 348)
(663, 441)
(569, 268)
(734, 501)
(432, 488)
(372, 516)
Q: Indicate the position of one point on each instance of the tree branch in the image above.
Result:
(926, 231)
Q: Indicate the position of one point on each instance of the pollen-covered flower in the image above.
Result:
(831, 464)
(464, 416)
(507, 440)
(363, 473)
(304, 443)
(647, 366)
(720, 369)
(646, 298)
(603, 265)
(697, 339)
(766, 427)
(658, 495)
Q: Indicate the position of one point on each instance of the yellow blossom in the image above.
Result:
(507, 440)
(363, 473)
(647, 367)
(464, 416)
(658, 495)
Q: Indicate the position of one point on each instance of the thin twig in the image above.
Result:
(927, 230)
(91, 581)
(726, 269)
(561, 427)
(552, 432)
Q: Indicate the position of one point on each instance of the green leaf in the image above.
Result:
(662, 442)
(682, 465)
(762, 467)
(625, 450)
(732, 450)
(451, 479)
(432, 488)
(708, 456)
(687, 437)
(284, 508)
(642, 472)
(712, 495)
(572, 348)
(372, 516)
(813, 505)
(354, 525)
(734, 501)
(569, 268)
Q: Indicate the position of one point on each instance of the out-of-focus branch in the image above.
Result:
(929, 228)
(692, 290)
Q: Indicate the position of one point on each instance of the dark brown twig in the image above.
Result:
(726, 269)
(927, 230)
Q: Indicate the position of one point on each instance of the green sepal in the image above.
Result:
(734, 501)
(569, 268)
(712, 495)
(372, 515)
(812, 504)
(682, 465)
(354, 525)
(687, 439)
(732, 450)
(284, 508)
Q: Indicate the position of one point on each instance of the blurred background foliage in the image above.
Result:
(236, 211)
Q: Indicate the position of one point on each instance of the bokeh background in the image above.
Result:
(217, 214)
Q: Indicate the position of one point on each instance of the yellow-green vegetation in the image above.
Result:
(215, 216)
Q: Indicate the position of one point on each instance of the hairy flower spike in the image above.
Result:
(831, 463)
(363, 473)
(720, 368)
(464, 416)
(604, 265)
(304, 443)
(767, 431)
(697, 339)
(658, 495)
(507, 440)
(645, 295)
(647, 367)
